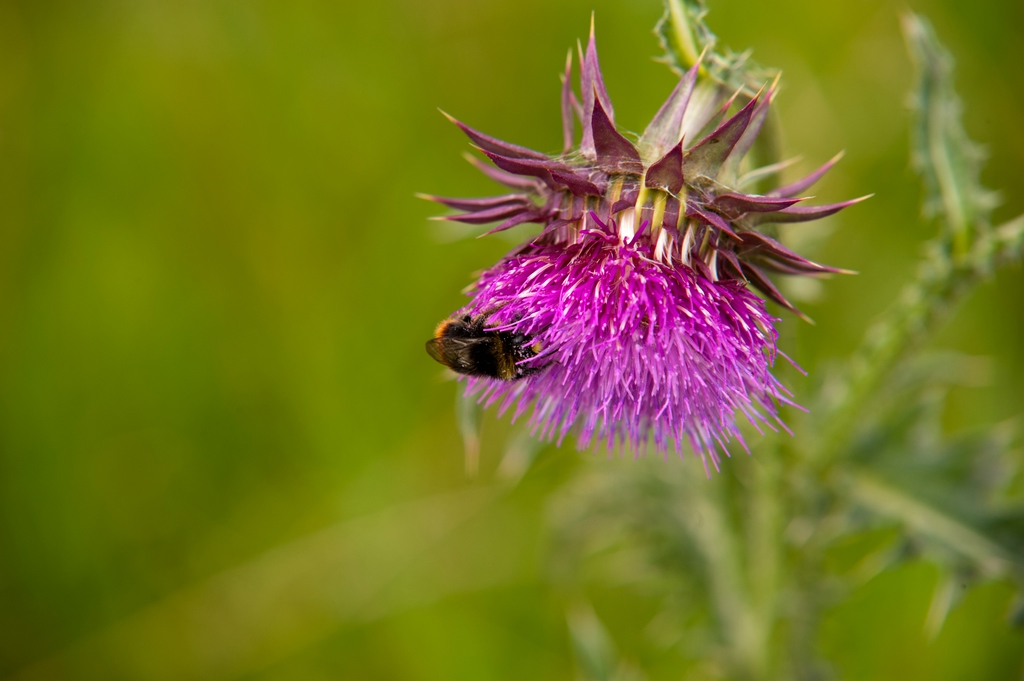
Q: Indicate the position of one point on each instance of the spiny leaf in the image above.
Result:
(946, 491)
(683, 36)
(947, 160)
(667, 173)
(666, 128)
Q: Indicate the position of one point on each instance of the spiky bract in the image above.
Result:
(636, 286)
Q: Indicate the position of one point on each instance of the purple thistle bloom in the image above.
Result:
(628, 318)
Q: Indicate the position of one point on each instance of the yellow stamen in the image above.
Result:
(660, 199)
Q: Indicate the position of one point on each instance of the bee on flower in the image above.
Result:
(631, 318)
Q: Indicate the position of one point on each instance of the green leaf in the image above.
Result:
(947, 160)
(684, 36)
(947, 492)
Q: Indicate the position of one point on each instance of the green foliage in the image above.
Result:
(750, 556)
(948, 162)
(684, 36)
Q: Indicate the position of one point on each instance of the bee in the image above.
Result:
(466, 346)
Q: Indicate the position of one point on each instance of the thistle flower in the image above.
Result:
(635, 297)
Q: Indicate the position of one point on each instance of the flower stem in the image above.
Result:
(923, 305)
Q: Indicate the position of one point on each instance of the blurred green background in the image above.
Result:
(223, 451)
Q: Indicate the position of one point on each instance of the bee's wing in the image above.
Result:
(455, 353)
(436, 350)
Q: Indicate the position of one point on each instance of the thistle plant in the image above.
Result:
(742, 558)
(644, 293)
(720, 575)
(636, 295)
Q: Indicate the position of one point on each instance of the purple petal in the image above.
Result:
(667, 173)
(598, 79)
(749, 203)
(568, 129)
(507, 179)
(706, 158)
(621, 204)
(636, 237)
(782, 267)
(495, 145)
(578, 108)
(764, 247)
(796, 266)
(613, 150)
(710, 218)
(699, 265)
(526, 216)
(700, 351)
(477, 204)
(555, 174)
(710, 114)
(731, 260)
(805, 213)
(770, 170)
(760, 281)
(522, 166)
(800, 186)
(666, 128)
(482, 217)
(552, 227)
(749, 135)
(671, 220)
(579, 186)
(626, 200)
(777, 256)
(592, 87)
(753, 241)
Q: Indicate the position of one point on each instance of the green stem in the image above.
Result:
(889, 501)
(715, 540)
(923, 305)
(682, 32)
(764, 539)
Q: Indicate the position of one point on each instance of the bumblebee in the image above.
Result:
(466, 346)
